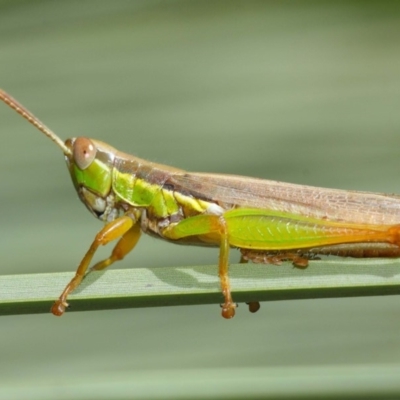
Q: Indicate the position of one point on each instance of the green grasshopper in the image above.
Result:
(268, 221)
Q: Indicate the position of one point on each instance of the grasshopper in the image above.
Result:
(268, 221)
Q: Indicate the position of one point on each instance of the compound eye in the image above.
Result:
(84, 152)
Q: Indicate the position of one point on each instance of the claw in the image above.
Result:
(59, 307)
(228, 310)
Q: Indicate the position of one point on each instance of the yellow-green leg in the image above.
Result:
(212, 225)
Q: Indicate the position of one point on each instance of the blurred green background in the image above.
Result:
(306, 92)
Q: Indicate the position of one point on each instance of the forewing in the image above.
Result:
(340, 205)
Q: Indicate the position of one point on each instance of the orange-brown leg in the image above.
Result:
(228, 307)
(124, 246)
(121, 227)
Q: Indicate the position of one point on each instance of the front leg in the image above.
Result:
(126, 229)
(212, 225)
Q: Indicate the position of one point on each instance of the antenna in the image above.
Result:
(21, 110)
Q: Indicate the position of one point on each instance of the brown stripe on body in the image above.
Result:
(300, 257)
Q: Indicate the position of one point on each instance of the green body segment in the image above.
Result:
(160, 202)
(270, 230)
(97, 177)
(136, 192)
